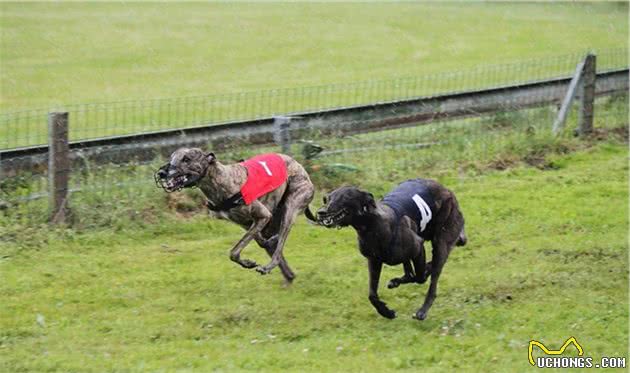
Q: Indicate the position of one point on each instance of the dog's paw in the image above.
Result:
(420, 315)
(246, 263)
(387, 313)
(263, 270)
(393, 283)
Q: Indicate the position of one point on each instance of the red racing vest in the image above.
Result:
(265, 173)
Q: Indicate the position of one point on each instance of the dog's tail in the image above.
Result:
(462, 239)
(309, 215)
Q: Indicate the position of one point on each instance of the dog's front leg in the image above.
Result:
(261, 216)
(408, 277)
(374, 267)
(295, 203)
(285, 227)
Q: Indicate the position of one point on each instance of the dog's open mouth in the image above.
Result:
(333, 219)
(174, 183)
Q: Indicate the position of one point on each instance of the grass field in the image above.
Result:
(226, 62)
(63, 53)
(142, 282)
(547, 259)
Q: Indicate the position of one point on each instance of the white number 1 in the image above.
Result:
(425, 211)
(264, 164)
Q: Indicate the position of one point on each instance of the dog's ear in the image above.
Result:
(210, 158)
(369, 203)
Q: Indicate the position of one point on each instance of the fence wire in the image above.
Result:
(98, 120)
(115, 181)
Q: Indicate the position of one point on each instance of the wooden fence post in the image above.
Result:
(3, 205)
(58, 166)
(282, 133)
(574, 86)
(585, 122)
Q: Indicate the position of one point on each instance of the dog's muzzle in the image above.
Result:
(331, 220)
(171, 182)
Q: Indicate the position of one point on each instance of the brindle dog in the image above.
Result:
(267, 220)
(383, 238)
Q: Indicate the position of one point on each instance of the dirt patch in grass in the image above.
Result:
(593, 254)
(185, 205)
(502, 163)
(602, 134)
(538, 155)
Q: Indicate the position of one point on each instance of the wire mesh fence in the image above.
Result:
(96, 120)
(114, 182)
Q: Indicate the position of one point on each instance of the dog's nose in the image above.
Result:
(321, 212)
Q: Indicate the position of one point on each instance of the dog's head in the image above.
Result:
(344, 206)
(184, 170)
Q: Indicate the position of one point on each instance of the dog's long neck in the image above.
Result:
(222, 181)
(376, 226)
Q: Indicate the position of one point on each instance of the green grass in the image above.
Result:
(62, 53)
(55, 56)
(547, 259)
(132, 287)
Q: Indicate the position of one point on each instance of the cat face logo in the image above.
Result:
(553, 352)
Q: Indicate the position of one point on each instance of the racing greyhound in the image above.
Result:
(264, 195)
(392, 231)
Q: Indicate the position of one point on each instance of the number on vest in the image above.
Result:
(425, 211)
(264, 164)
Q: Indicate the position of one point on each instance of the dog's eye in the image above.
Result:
(325, 199)
(185, 159)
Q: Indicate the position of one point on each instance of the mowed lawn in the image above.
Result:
(547, 259)
(64, 53)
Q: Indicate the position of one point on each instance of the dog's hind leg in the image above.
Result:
(427, 271)
(418, 273)
(269, 245)
(449, 232)
(421, 266)
(408, 277)
(440, 253)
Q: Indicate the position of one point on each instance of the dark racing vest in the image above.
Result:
(412, 198)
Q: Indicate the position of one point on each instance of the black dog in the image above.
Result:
(393, 231)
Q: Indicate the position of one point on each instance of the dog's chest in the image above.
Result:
(375, 246)
(390, 247)
(240, 216)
